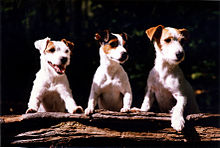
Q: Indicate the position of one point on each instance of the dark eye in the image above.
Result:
(52, 50)
(114, 44)
(167, 40)
(66, 51)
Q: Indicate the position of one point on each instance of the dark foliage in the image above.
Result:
(25, 21)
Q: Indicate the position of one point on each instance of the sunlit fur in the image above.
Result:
(110, 87)
(51, 91)
(166, 82)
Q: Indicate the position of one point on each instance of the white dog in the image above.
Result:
(110, 88)
(166, 82)
(51, 91)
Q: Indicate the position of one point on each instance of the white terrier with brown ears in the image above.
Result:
(51, 91)
(166, 82)
(110, 88)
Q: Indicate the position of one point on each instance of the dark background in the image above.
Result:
(25, 21)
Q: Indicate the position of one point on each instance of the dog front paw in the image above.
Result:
(30, 110)
(124, 110)
(89, 111)
(78, 109)
(177, 123)
(145, 108)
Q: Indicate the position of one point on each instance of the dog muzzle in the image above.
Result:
(60, 69)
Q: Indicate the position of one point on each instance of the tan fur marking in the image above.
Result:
(108, 47)
(68, 43)
(183, 34)
(166, 34)
(50, 46)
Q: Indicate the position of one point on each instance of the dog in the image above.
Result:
(51, 91)
(166, 82)
(110, 88)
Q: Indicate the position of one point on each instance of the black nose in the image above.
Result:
(179, 55)
(64, 60)
(124, 56)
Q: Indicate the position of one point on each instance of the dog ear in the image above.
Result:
(124, 36)
(68, 44)
(154, 32)
(185, 33)
(42, 44)
(102, 36)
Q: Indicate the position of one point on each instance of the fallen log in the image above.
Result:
(106, 128)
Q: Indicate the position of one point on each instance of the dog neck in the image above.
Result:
(108, 65)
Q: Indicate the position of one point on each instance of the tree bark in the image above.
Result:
(106, 128)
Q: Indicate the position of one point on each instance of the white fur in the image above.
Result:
(166, 83)
(110, 88)
(51, 91)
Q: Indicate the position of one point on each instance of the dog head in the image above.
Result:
(113, 45)
(55, 54)
(169, 42)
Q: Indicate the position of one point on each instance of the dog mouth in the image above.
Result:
(60, 69)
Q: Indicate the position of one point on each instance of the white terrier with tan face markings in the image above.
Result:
(166, 82)
(51, 91)
(111, 88)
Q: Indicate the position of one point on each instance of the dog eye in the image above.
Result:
(52, 50)
(167, 40)
(114, 44)
(66, 51)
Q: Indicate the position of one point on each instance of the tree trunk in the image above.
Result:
(107, 128)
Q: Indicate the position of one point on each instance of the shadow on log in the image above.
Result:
(107, 128)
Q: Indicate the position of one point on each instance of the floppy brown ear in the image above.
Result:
(154, 32)
(185, 33)
(102, 36)
(68, 43)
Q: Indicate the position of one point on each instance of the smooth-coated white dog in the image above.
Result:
(110, 88)
(51, 91)
(166, 82)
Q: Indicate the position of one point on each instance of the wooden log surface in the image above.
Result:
(106, 128)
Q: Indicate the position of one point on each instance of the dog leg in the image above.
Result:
(66, 95)
(92, 100)
(126, 102)
(148, 101)
(177, 119)
(35, 98)
(91, 104)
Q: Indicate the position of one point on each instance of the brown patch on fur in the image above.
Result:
(106, 49)
(68, 44)
(166, 35)
(50, 47)
(109, 47)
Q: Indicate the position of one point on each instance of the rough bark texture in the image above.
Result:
(106, 128)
